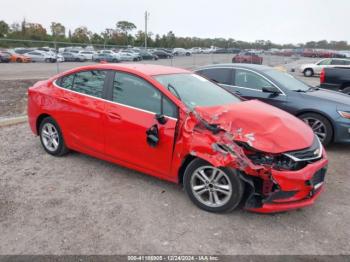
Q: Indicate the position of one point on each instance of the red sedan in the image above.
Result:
(178, 126)
(248, 58)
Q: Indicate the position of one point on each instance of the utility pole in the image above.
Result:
(146, 20)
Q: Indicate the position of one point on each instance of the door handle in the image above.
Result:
(114, 115)
(237, 92)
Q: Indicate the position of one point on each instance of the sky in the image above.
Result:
(281, 21)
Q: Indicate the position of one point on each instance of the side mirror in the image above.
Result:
(152, 136)
(161, 119)
(270, 89)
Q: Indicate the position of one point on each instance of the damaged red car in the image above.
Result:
(172, 124)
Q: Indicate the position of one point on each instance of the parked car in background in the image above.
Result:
(41, 56)
(162, 54)
(19, 58)
(316, 68)
(337, 79)
(247, 57)
(321, 109)
(148, 55)
(125, 56)
(73, 57)
(106, 58)
(87, 54)
(5, 57)
(196, 50)
(180, 127)
(181, 52)
(135, 55)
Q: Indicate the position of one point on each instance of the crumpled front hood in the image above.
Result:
(264, 127)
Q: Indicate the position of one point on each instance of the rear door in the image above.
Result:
(130, 116)
(81, 109)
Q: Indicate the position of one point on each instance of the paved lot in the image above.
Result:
(81, 205)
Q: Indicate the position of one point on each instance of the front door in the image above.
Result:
(130, 115)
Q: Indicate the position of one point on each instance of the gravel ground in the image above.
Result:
(81, 205)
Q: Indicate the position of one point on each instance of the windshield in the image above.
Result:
(287, 80)
(194, 90)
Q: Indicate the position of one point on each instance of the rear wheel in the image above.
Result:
(320, 125)
(19, 60)
(308, 72)
(213, 189)
(51, 137)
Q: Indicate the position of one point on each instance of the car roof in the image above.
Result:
(241, 65)
(146, 69)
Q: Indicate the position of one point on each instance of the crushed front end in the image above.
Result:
(282, 163)
(295, 179)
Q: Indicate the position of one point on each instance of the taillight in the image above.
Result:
(322, 76)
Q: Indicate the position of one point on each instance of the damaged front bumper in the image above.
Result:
(291, 189)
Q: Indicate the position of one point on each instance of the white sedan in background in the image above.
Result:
(316, 68)
(87, 54)
(41, 56)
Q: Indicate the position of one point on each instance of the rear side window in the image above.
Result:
(219, 75)
(90, 82)
(133, 91)
(86, 82)
(66, 82)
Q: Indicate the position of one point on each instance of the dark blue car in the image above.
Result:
(326, 112)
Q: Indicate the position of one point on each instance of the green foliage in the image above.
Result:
(4, 28)
(122, 35)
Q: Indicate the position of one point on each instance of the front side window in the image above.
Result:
(247, 79)
(133, 91)
(194, 90)
(219, 75)
(89, 82)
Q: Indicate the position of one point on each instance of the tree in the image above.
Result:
(81, 35)
(4, 28)
(58, 30)
(125, 27)
(34, 31)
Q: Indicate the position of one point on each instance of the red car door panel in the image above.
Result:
(129, 116)
(81, 118)
(126, 138)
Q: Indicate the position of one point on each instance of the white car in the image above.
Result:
(181, 52)
(87, 54)
(41, 56)
(125, 56)
(110, 52)
(316, 68)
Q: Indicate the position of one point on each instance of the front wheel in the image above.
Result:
(213, 189)
(320, 125)
(51, 137)
(308, 72)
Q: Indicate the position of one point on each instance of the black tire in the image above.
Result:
(61, 148)
(326, 123)
(346, 90)
(47, 60)
(19, 60)
(236, 182)
(308, 72)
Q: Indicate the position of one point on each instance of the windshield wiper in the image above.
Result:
(300, 90)
(170, 86)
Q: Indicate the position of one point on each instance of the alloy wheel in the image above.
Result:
(211, 186)
(317, 126)
(50, 137)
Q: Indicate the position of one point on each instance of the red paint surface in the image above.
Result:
(117, 133)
